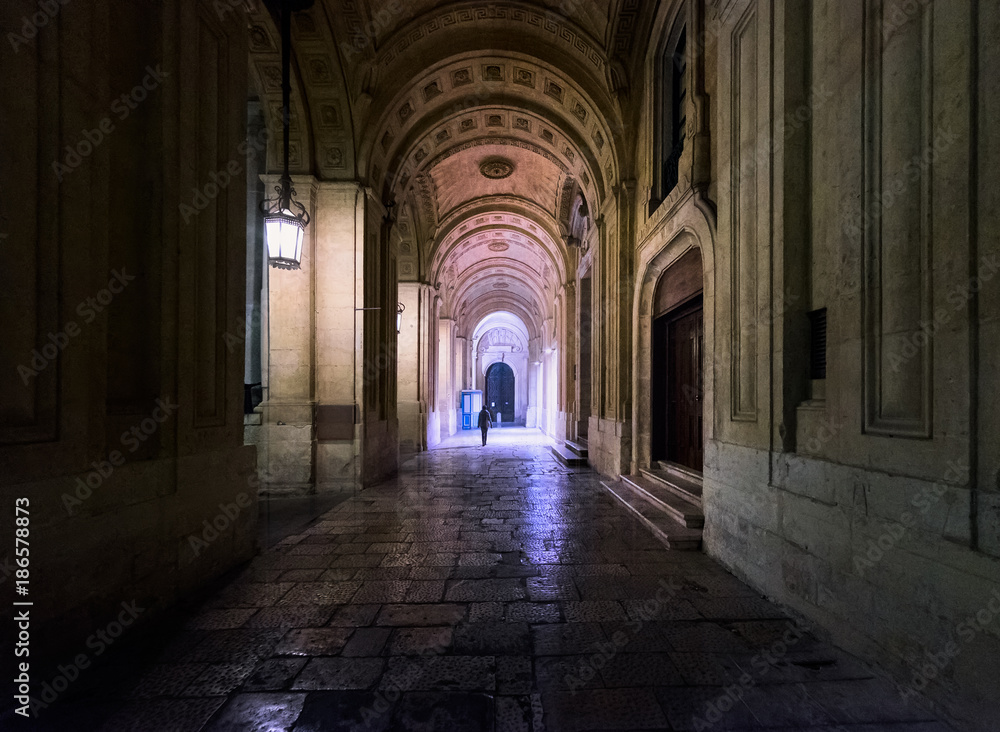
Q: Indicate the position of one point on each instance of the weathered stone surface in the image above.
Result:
(494, 639)
(441, 614)
(593, 611)
(514, 674)
(345, 711)
(354, 616)
(313, 642)
(275, 674)
(485, 590)
(339, 674)
(459, 673)
(565, 639)
(366, 642)
(161, 715)
(533, 612)
(451, 711)
(651, 661)
(604, 708)
(259, 711)
(420, 641)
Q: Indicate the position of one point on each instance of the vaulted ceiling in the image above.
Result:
(490, 127)
(381, 19)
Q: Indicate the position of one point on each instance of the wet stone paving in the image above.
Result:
(492, 589)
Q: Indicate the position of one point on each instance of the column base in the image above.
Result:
(609, 443)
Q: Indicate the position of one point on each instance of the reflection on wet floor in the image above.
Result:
(490, 589)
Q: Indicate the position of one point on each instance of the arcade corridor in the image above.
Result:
(726, 273)
(488, 590)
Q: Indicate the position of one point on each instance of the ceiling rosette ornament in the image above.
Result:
(496, 168)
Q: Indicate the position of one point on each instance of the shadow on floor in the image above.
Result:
(282, 516)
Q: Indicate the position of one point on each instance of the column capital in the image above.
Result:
(371, 195)
(624, 187)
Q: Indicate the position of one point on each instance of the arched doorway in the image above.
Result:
(500, 392)
(678, 383)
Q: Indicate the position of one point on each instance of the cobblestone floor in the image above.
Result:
(492, 589)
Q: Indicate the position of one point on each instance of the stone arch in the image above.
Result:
(693, 227)
(321, 126)
(401, 88)
(521, 216)
(480, 311)
(487, 350)
(541, 104)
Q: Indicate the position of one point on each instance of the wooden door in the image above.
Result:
(500, 392)
(685, 388)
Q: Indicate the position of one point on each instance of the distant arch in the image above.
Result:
(500, 395)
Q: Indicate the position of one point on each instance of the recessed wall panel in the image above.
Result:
(30, 305)
(744, 175)
(899, 138)
(215, 149)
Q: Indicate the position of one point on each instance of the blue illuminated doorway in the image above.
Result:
(472, 403)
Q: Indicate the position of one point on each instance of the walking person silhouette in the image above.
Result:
(485, 422)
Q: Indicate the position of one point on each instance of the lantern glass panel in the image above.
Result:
(284, 239)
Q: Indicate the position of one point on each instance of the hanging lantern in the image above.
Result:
(285, 219)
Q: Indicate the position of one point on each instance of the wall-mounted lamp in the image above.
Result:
(285, 219)
(399, 316)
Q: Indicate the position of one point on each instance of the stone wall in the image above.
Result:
(866, 500)
(862, 500)
(879, 560)
(122, 415)
(609, 446)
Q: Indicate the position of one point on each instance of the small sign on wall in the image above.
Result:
(335, 422)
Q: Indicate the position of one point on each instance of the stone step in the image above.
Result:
(682, 511)
(672, 534)
(682, 472)
(568, 457)
(683, 487)
(579, 447)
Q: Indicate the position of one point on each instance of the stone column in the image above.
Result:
(624, 276)
(461, 362)
(567, 350)
(412, 366)
(376, 370)
(285, 462)
(446, 376)
(340, 372)
(432, 340)
(531, 417)
(461, 351)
